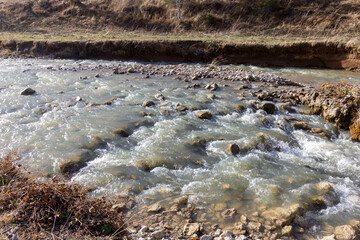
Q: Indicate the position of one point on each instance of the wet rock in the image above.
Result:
(345, 232)
(155, 208)
(211, 96)
(165, 112)
(72, 165)
(77, 99)
(355, 224)
(119, 207)
(331, 114)
(229, 213)
(212, 86)
(355, 129)
(220, 206)
(181, 108)
(317, 203)
(324, 188)
(330, 237)
(204, 115)
(143, 165)
(158, 234)
(254, 227)
(232, 148)
(206, 237)
(122, 132)
(239, 228)
(239, 108)
(281, 216)
(300, 125)
(131, 70)
(28, 92)
(286, 230)
(148, 104)
(95, 143)
(192, 228)
(163, 104)
(159, 97)
(226, 235)
(182, 200)
(268, 107)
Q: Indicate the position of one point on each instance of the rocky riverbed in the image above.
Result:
(200, 151)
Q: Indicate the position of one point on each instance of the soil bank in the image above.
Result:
(334, 55)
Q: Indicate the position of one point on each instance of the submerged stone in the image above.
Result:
(281, 216)
(155, 208)
(72, 165)
(121, 132)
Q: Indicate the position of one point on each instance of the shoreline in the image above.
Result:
(322, 54)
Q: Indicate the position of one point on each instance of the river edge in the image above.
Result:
(287, 92)
(322, 54)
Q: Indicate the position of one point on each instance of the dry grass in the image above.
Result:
(50, 208)
(269, 17)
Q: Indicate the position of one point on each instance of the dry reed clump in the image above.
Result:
(51, 208)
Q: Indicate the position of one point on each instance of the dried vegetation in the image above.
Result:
(272, 17)
(33, 208)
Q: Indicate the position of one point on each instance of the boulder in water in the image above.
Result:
(232, 148)
(148, 104)
(28, 92)
(268, 107)
(204, 115)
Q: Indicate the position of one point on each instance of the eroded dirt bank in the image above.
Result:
(318, 55)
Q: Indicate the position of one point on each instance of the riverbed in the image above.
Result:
(172, 153)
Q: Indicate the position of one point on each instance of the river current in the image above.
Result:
(187, 153)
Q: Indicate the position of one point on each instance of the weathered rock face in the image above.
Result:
(355, 129)
(281, 216)
(345, 232)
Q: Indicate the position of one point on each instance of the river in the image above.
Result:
(184, 154)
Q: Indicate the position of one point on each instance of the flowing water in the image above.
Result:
(186, 153)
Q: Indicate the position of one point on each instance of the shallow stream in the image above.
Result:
(186, 153)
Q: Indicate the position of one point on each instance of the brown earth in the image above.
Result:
(318, 54)
(271, 17)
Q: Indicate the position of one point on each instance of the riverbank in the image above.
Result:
(297, 53)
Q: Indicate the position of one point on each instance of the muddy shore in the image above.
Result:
(333, 55)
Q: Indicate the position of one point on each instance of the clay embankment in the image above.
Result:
(319, 55)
